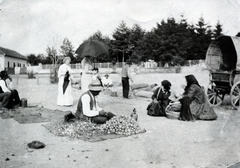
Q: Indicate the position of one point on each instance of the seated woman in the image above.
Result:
(194, 104)
(14, 99)
(107, 82)
(160, 100)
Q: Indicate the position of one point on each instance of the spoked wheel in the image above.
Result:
(235, 95)
(214, 96)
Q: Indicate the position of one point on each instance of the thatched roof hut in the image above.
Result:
(223, 54)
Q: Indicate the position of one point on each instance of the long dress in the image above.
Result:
(64, 99)
(195, 105)
(87, 78)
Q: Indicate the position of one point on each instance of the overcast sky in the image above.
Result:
(29, 26)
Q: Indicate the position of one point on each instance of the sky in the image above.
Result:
(29, 26)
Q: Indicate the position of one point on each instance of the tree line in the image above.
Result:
(168, 42)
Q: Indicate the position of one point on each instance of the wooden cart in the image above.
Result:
(223, 62)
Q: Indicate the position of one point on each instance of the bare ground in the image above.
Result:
(167, 143)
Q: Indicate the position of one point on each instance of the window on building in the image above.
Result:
(8, 64)
(14, 64)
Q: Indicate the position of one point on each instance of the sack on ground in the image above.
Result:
(142, 93)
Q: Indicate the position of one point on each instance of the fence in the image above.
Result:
(145, 65)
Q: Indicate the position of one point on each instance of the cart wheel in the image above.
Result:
(235, 95)
(213, 95)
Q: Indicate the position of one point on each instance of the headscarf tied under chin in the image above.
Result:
(191, 80)
(166, 84)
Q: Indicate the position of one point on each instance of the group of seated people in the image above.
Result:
(9, 96)
(106, 81)
(191, 105)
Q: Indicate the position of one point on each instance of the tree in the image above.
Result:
(67, 50)
(167, 41)
(202, 39)
(121, 41)
(136, 35)
(218, 30)
(33, 59)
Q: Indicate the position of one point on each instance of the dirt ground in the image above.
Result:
(166, 143)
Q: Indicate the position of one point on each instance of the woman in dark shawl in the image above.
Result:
(160, 100)
(194, 102)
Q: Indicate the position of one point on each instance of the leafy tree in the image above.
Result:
(105, 57)
(67, 50)
(168, 40)
(33, 59)
(53, 55)
(146, 46)
(98, 36)
(238, 34)
(43, 59)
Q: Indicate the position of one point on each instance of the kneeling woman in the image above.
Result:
(194, 102)
(160, 100)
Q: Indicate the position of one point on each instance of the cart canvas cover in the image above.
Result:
(223, 54)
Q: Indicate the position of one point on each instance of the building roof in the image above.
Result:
(12, 53)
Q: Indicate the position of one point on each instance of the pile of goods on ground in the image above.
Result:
(78, 129)
(122, 125)
(119, 125)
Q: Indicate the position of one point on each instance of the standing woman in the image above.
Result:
(64, 84)
(87, 74)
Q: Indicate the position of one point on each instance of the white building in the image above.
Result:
(10, 59)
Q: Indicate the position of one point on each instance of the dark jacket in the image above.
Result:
(195, 92)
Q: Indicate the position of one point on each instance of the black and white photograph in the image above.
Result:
(120, 83)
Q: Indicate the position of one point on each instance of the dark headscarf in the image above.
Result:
(4, 75)
(191, 80)
(166, 84)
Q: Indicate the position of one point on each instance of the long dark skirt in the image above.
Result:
(191, 111)
(156, 109)
(14, 99)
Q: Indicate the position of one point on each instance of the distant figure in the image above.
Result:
(64, 84)
(95, 75)
(126, 75)
(107, 82)
(87, 74)
(14, 100)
